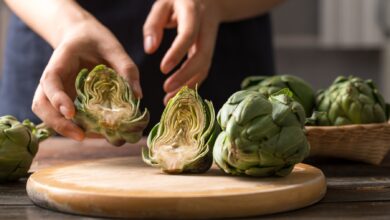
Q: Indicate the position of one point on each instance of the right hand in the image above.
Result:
(85, 45)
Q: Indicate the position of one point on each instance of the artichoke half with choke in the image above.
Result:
(267, 85)
(18, 146)
(350, 100)
(106, 106)
(260, 136)
(183, 139)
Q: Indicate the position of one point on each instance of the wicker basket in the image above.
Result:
(367, 143)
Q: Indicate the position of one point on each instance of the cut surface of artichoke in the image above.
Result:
(106, 101)
(106, 106)
(182, 141)
(178, 143)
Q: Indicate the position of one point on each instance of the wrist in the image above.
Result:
(73, 17)
(219, 10)
(213, 9)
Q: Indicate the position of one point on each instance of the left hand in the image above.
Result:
(197, 24)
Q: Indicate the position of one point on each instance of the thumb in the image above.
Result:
(124, 65)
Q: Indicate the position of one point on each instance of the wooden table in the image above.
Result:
(355, 190)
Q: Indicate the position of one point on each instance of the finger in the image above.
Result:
(190, 67)
(172, 22)
(124, 65)
(46, 112)
(188, 20)
(155, 23)
(52, 84)
(192, 83)
(199, 60)
(168, 96)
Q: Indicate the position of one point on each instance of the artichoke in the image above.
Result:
(183, 139)
(260, 137)
(18, 146)
(317, 118)
(106, 106)
(301, 90)
(350, 100)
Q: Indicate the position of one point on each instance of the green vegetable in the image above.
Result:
(183, 139)
(260, 137)
(106, 105)
(18, 146)
(350, 100)
(301, 90)
(318, 118)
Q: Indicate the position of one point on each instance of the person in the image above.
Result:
(49, 42)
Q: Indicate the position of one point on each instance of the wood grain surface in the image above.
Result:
(355, 190)
(126, 187)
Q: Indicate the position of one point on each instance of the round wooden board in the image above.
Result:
(126, 187)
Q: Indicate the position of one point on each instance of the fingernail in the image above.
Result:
(148, 44)
(65, 112)
(168, 67)
(77, 136)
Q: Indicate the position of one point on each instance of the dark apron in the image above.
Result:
(243, 48)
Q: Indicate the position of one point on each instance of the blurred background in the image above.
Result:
(321, 39)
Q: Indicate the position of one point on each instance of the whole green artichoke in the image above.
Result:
(260, 137)
(183, 139)
(106, 105)
(350, 100)
(18, 146)
(267, 85)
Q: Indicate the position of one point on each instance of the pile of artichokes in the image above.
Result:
(18, 146)
(260, 136)
(183, 139)
(350, 100)
(106, 106)
(258, 132)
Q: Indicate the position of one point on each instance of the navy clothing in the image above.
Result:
(243, 48)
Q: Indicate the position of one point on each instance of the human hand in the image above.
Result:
(84, 45)
(197, 24)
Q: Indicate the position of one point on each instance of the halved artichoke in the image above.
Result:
(18, 146)
(183, 139)
(106, 105)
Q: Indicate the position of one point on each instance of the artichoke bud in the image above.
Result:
(318, 118)
(106, 105)
(183, 139)
(350, 100)
(263, 136)
(18, 146)
(301, 91)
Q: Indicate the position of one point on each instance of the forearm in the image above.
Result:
(50, 19)
(233, 10)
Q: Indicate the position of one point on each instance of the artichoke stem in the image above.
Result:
(42, 132)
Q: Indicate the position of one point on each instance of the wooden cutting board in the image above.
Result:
(126, 187)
